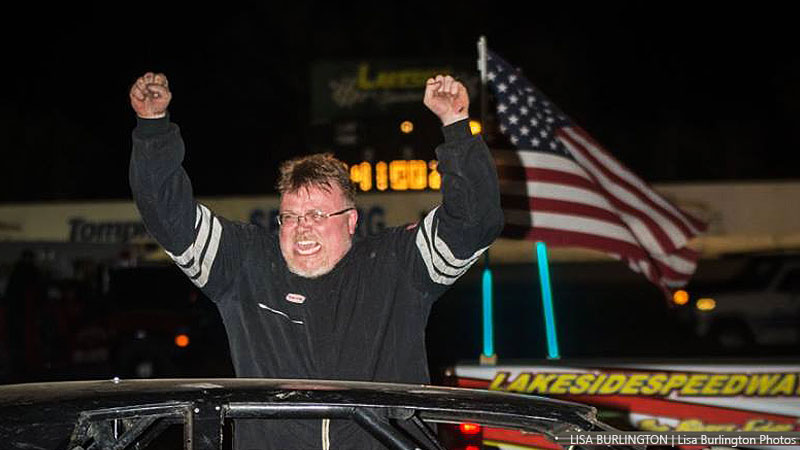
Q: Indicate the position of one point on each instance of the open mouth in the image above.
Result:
(306, 248)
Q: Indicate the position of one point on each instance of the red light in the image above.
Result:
(469, 428)
(472, 447)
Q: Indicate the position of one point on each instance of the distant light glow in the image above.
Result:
(475, 127)
(706, 304)
(398, 175)
(407, 127)
(470, 428)
(680, 297)
(434, 178)
(382, 176)
(182, 340)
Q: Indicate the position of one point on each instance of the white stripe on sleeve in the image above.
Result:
(442, 265)
(197, 260)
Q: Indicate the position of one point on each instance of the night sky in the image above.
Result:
(676, 94)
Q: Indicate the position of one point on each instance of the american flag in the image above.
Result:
(563, 188)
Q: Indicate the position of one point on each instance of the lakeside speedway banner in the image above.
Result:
(654, 397)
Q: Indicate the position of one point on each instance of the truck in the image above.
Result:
(756, 306)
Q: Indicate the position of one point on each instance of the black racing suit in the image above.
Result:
(364, 320)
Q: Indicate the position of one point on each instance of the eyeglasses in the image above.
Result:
(314, 216)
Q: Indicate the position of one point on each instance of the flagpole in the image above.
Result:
(482, 58)
(488, 356)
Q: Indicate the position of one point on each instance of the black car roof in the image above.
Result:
(52, 412)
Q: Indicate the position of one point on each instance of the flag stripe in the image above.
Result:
(657, 232)
(674, 230)
(517, 202)
(558, 237)
(590, 195)
(554, 191)
(561, 238)
(521, 174)
(571, 223)
(622, 175)
(687, 253)
(696, 226)
(546, 197)
(657, 236)
(532, 158)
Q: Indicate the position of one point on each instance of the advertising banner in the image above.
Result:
(658, 397)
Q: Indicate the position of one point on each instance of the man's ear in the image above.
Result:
(352, 221)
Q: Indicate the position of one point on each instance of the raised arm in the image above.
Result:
(452, 236)
(208, 248)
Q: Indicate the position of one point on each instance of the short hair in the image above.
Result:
(320, 170)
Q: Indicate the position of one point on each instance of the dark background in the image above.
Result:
(677, 93)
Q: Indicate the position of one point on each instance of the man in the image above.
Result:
(312, 302)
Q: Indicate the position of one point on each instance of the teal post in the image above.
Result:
(547, 301)
(488, 319)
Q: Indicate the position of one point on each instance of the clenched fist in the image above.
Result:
(447, 98)
(150, 96)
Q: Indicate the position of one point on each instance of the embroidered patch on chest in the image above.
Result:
(295, 298)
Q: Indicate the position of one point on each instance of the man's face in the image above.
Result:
(313, 249)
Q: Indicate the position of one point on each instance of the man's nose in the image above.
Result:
(304, 221)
